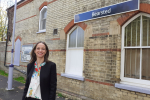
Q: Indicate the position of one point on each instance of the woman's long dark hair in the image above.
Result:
(33, 55)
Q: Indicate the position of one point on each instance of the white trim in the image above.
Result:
(73, 76)
(132, 81)
(136, 33)
(131, 34)
(132, 88)
(122, 53)
(137, 47)
(141, 35)
(140, 63)
(126, 36)
(147, 32)
(136, 83)
(40, 31)
(141, 31)
(75, 48)
(76, 36)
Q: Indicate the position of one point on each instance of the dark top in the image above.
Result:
(48, 80)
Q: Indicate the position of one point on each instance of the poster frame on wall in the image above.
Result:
(25, 52)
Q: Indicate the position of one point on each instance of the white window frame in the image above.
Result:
(77, 48)
(131, 81)
(78, 77)
(42, 30)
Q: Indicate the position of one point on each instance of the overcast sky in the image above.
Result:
(14, 0)
(7, 3)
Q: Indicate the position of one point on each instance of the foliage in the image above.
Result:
(4, 5)
(60, 95)
(3, 25)
(20, 79)
(3, 73)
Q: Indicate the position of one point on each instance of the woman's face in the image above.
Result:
(40, 50)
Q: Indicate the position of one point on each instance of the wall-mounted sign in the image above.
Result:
(123, 7)
(26, 51)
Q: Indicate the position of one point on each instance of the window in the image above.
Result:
(135, 52)
(74, 53)
(17, 52)
(55, 31)
(42, 20)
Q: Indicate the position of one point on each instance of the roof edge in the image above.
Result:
(13, 5)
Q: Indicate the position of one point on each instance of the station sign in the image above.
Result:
(119, 8)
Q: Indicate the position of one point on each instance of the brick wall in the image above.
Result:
(101, 57)
(2, 54)
(102, 46)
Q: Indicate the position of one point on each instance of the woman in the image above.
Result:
(41, 75)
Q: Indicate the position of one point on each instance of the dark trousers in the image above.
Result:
(31, 98)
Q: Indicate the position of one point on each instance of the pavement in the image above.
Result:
(16, 93)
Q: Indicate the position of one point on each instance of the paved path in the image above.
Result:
(15, 94)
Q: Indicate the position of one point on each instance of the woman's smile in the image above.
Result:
(40, 50)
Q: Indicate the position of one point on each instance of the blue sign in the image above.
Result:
(123, 7)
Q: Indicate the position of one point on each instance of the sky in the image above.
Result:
(7, 3)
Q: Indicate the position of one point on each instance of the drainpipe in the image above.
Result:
(6, 49)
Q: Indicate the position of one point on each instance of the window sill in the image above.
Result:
(132, 88)
(73, 76)
(42, 31)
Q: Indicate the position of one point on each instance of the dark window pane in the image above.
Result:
(134, 37)
(138, 33)
(43, 19)
(44, 24)
(80, 37)
(44, 14)
(145, 30)
(72, 38)
(146, 64)
(149, 32)
(132, 63)
(132, 33)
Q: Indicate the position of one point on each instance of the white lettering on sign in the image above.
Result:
(94, 14)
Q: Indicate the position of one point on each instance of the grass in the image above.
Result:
(60, 95)
(3, 73)
(19, 79)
